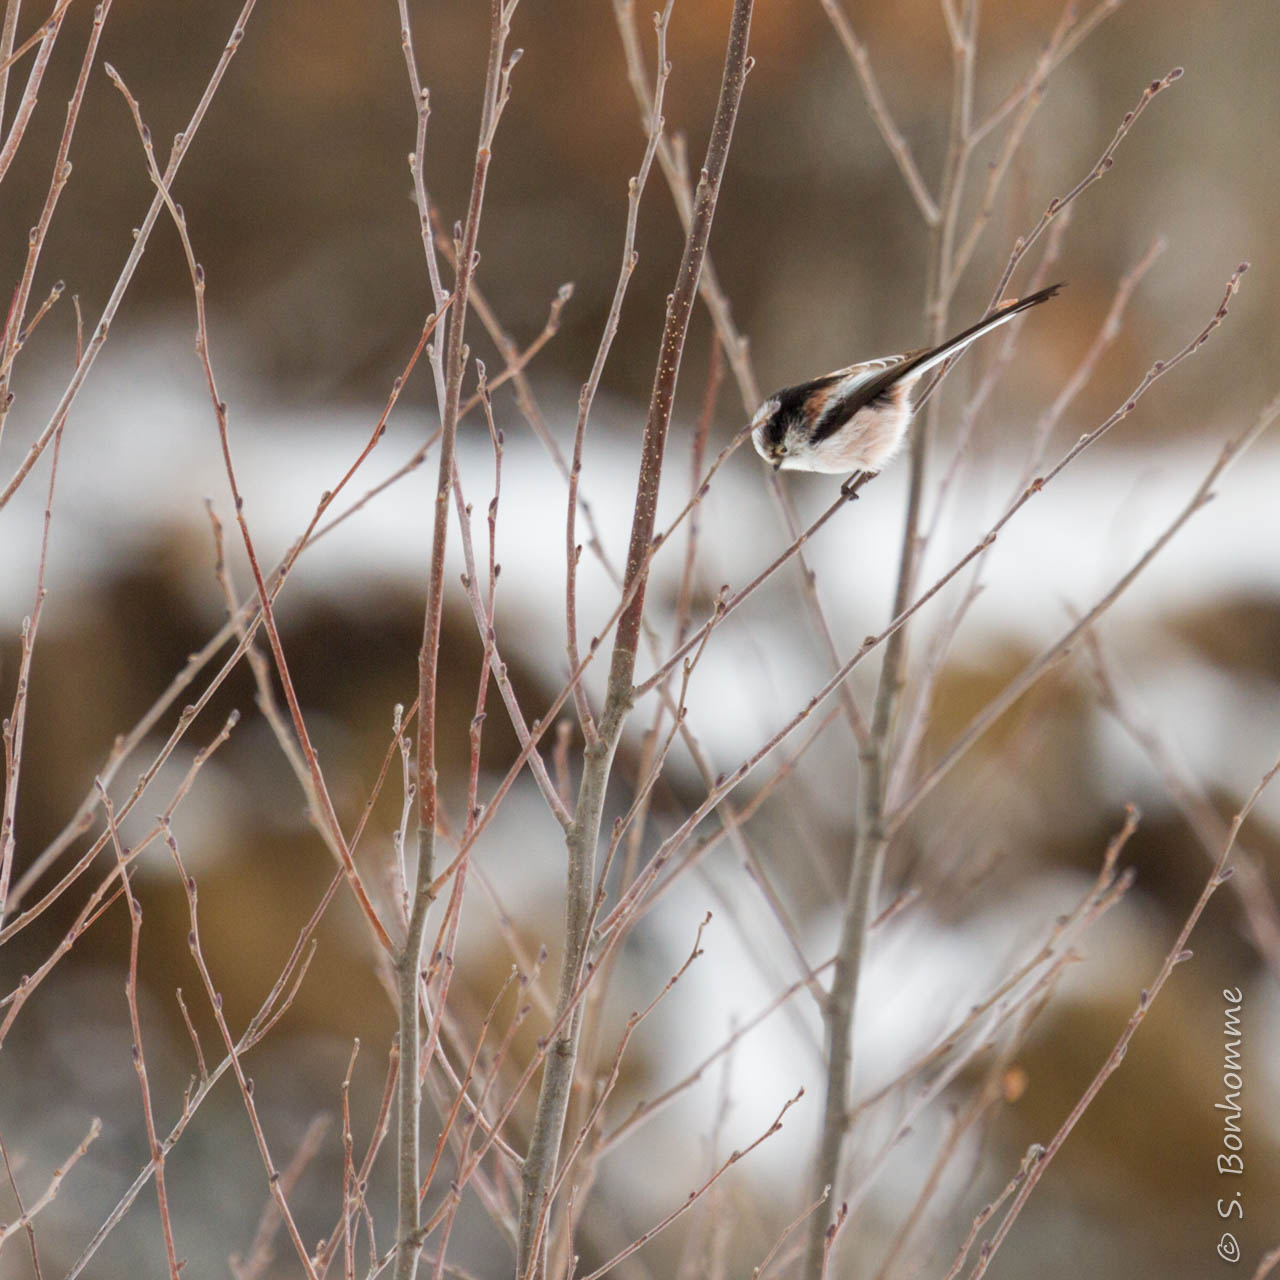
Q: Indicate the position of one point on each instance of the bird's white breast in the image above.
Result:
(867, 442)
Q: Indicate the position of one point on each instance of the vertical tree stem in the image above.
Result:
(866, 863)
(409, 962)
(584, 833)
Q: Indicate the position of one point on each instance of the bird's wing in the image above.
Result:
(860, 384)
(848, 392)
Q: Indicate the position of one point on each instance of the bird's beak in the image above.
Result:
(776, 463)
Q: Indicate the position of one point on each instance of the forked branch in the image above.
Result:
(584, 833)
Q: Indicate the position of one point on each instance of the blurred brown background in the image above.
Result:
(297, 194)
(299, 197)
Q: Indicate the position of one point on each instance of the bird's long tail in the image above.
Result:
(927, 359)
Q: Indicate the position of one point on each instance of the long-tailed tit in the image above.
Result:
(855, 419)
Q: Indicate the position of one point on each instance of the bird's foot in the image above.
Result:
(855, 482)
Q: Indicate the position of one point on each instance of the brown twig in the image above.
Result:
(9, 55)
(325, 811)
(482, 611)
(18, 335)
(409, 958)
(191, 1031)
(898, 146)
(830, 1235)
(1107, 890)
(8, 1167)
(46, 35)
(25, 1218)
(277, 1002)
(998, 168)
(1055, 653)
(135, 1023)
(1014, 98)
(1250, 881)
(1100, 168)
(1175, 956)
(911, 735)
(261, 1251)
(245, 625)
(731, 602)
(586, 397)
(674, 166)
(382, 1126)
(234, 1054)
(695, 1195)
(605, 1087)
(15, 723)
(181, 145)
(353, 1199)
(102, 896)
(757, 1273)
(645, 1110)
(1034, 1154)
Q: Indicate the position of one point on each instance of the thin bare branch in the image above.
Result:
(47, 36)
(181, 144)
(586, 397)
(24, 1220)
(1250, 881)
(1176, 955)
(898, 146)
(1056, 652)
(553, 1100)
(695, 1195)
(139, 1057)
(234, 1053)
(325, 812)
(4, 1151)
(1099, 170)
(409, 959)
(14, 727)
(262, 1250)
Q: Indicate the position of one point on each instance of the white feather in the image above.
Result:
(946, 352)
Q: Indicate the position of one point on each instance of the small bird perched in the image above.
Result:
(855, 419)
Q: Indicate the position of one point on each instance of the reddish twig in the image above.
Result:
(25, 1218)
(586, 397)
(1100, 168)
(1250, 880)
(449, 375)
(181, 144)
(102, 896)
(898, 146)
(18, 334)
(326, 813)
(29, 1226)
(1056, 652)
(14, 727)
(277, 1002)
(553, 1100)
(1176, 955)
(695, 1195)
(234, 1053)
(139, 1058)
(261, 1251)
